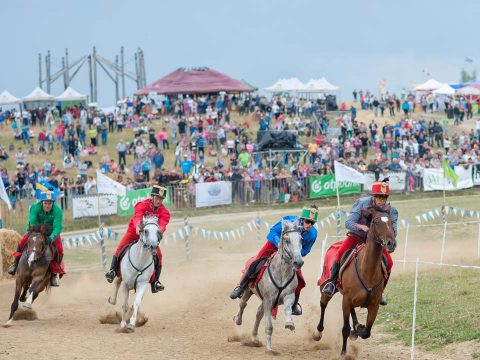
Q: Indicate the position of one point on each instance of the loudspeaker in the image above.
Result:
(275, 140)
(331, 102)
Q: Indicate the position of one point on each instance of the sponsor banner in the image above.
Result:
(397, 181)
(433, 179)
(214, 193)
(86, 206)
(476, 176)
(322, 186)
(127, 203)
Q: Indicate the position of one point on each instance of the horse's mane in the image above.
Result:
(149, 218)
(45, 229)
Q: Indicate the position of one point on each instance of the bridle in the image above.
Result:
(285, 253)
(34, 250)
(151, 221)
(378, 239)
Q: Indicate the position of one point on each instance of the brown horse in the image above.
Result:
(362, 279)
(33, 269)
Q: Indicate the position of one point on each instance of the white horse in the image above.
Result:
(278, 283)
(137, 268)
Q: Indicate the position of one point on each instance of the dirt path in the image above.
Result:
(192, 319)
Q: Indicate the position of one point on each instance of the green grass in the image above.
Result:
(448, 308)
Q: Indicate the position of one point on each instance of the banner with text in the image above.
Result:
(397, 181)
(323, 186)
(86, 206)
(127, 203)
(433, 179)
(213, 193)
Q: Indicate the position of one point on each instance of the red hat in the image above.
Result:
(380, 188)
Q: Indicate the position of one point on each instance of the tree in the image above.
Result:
(465, 76)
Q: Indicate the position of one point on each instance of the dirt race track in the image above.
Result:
(192, 319)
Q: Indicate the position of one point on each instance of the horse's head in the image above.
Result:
(291, 243)
(150, 234)
(381, 227)
(37, 243)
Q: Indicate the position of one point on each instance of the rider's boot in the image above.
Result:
(296, 308)
(384, 301)
(54, 280)
(13, 268)
(156, 284)
(331, 285)
(238, 291)
(110, 275)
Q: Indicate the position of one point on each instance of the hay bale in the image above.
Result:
(8, 244)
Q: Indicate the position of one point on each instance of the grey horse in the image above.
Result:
(137, 268)
(278, 283)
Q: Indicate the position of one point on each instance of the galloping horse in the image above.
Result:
(363, 281)
(33, 268)
(277, 284)
(137, 268)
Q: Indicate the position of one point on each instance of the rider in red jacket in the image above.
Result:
(153, 207)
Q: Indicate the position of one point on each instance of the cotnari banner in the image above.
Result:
(433, 179)
(87, 206)
(213, 193)
(127, 203)
(323, 186)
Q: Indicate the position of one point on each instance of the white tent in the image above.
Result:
(468, 90)
(70, 94)
(321, 85)
(6, 99)
(38, 95)
(293, 84)
(430, 85)
(445, 89)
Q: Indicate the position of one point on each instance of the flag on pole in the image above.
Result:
(4, 196)
(43, 186)
(467, 59)
(105, 185)
(449, 173)
(346, 173)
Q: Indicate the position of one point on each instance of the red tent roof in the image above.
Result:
(194, 81)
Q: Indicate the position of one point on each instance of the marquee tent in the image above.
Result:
(8, 99)
(200, 80)
(293, 84)
(321, 85)
(429, 85)
(38, 98)
(71, 97)
(468, 90)
(445, 89)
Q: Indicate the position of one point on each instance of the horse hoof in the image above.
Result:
(122, 324)
(110, 301)
(317, 335)
(237, 320)
(27, 306)
(8, 323)
(353, 335)
(290, 326)
(131, 328)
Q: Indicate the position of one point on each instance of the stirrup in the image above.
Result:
(110, 276)
(12, 269)
(54, 281)
(297, 309)
(157, 286)
(384, 301)
(236, 293)
(329, 288)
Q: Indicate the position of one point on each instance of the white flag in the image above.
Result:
(346, 173)
(105, 185)
(4, 196)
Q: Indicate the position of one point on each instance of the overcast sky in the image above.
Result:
(354, 44)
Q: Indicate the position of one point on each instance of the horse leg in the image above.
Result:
(267, 308)
(33, 295)
(116, 285)
(243, 304)
(258, 318)
(14, 307)
(125, 305)
(346, 307)
(23, 297)
(356, 325)
(364, 332)
(324, 299)
(288, 301)
(136, 305)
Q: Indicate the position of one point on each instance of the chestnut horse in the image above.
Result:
(363, 279)
(33, 268)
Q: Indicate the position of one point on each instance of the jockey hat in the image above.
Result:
(47, 195)
(381, 187)
(310, 213)
(159, 191)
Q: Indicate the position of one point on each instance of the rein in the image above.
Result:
(139, 272)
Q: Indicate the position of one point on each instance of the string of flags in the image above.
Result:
(90, 239)
(449, 210)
